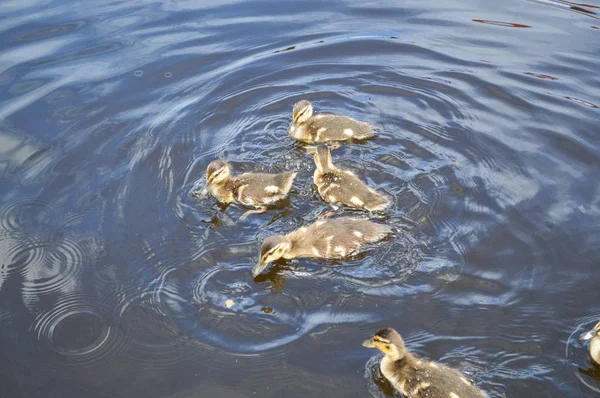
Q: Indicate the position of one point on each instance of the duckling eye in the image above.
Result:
(301, 112)
(268, 254)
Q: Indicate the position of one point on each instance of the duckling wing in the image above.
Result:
(344, 236)
(437, 381)
(352, 192)
(257, 189)
(327, 127)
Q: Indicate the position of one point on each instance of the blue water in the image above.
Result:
(115, 280)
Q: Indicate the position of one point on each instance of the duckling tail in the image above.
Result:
(378, 202)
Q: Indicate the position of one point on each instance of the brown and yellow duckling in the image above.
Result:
(594, 337)
(333, 239)
(325, 127)
(415, 377)
(343, 186)
(257, 190)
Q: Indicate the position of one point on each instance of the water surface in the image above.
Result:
(115, 280)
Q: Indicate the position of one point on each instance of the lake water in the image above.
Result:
(115, 280)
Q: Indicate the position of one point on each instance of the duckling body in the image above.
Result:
(335, 238)
(343, 186)
(594, 337)
(325, 127)
(419, 378)
(257, 190)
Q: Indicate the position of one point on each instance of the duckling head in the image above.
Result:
(323, 159)
(590, 334)
(272, 249)
(389, 342)
(302, 111)
(217, 172)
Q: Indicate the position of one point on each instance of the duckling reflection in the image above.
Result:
(593, 371)
(325, 127)
(257, 190)
(335, 238)
(415, 377)
(593, 336)
(343, 186)
(276, 276)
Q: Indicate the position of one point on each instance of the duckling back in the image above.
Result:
(336, 238)
(343, 186)
(328, 127)
(429, 379)
(261, 188)
(355, 193)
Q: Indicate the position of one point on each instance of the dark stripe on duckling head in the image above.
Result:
(385, 333)
(390, 335)
(215, 166)
(300, 109)
(269, 246)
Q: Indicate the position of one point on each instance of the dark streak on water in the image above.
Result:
(114, 280)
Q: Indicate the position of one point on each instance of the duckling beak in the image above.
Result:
(258, 268)
(200, 192)
(368, 343)
(590, 334)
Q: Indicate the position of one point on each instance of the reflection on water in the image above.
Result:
(498, 23)
(112, 270)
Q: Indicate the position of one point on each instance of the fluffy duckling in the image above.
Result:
(333, 238)
(257, 190)
(342, 186)
(418, 378)
(594, 337)
(325, 127)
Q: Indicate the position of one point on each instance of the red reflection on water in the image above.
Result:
(595, 27)
(582, 102)
(541, 76)
(499, 23)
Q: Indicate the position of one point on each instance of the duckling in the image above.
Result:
(594, 337)
(334, 238)
(343, 186)
(257, 190)
(418, 378)
(325, 127)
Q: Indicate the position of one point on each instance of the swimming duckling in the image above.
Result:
(594, 337)
(418, 378)
(325, 127)
(342, 186)
(250, 189)
(333, 238)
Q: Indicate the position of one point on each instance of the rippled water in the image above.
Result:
(115, 280)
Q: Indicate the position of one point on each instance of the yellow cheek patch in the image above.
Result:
(382, 347)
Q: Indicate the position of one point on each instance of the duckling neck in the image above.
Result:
(401, 360)
(397, 369)
(298, 131)
(595, 349)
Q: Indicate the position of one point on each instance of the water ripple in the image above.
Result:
(486, 143)
(79, 328)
